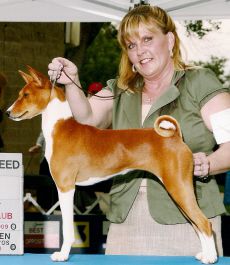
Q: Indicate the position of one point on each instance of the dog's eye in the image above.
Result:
(25, 95)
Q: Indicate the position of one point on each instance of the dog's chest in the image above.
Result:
(55, 111)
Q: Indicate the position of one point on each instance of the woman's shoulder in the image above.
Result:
(200, 74)
(201, 82)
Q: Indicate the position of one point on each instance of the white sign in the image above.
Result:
(11, 204)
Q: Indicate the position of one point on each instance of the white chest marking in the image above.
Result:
(55, 111)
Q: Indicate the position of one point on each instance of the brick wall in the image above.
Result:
(22, 44)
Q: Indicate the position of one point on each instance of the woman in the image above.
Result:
(153, 80)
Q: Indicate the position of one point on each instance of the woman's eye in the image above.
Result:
(131, 46)
(147, 39)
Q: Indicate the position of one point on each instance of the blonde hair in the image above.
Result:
(153, 17)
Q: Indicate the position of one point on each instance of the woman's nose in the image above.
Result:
(140, 50)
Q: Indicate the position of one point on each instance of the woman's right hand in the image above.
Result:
(57, 69)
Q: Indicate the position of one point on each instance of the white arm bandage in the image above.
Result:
(220, 123)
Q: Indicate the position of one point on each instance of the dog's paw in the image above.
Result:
(207, 258)
(59, 256)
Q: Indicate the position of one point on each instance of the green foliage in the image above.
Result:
(200, 28)
(102, 57)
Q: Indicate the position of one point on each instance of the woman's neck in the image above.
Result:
(160, 80)
(156, 86)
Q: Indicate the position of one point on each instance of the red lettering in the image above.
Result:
(10, 216)
(6, 215)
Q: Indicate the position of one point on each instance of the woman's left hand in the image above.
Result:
(201, 165)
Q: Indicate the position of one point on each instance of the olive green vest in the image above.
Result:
(188, 92)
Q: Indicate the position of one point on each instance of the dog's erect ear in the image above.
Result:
(37, 76)
(26, 77)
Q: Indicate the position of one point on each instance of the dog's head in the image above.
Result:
(33, 97)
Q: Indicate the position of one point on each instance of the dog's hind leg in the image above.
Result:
(66, 205)
(182, 192)
(208, 252)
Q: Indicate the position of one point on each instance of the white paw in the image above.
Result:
(59, 256)
(207, 258)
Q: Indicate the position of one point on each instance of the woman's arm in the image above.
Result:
(219, 160)
(93, 111)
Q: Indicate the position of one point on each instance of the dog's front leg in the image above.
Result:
(66, 204)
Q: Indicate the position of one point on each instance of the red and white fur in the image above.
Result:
(82, 155)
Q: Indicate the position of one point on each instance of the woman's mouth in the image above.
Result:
(144, 61)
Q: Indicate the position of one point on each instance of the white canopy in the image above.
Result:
(105, 10)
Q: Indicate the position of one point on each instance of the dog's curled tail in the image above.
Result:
(167, 126)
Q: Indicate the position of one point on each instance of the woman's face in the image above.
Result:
(150, 52)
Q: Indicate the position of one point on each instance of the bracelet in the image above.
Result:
(203, 179)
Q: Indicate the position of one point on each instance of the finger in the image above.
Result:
(58, 75)
(203, 157)
(60, 62)
(50, 72)
(52, 75)
(197, 167)
(202, 170)
(200, 159)
(197, 162)
(205, 169)
(53, 66)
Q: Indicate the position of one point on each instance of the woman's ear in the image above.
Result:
(171, 40)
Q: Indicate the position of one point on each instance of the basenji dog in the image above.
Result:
(77, 154)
